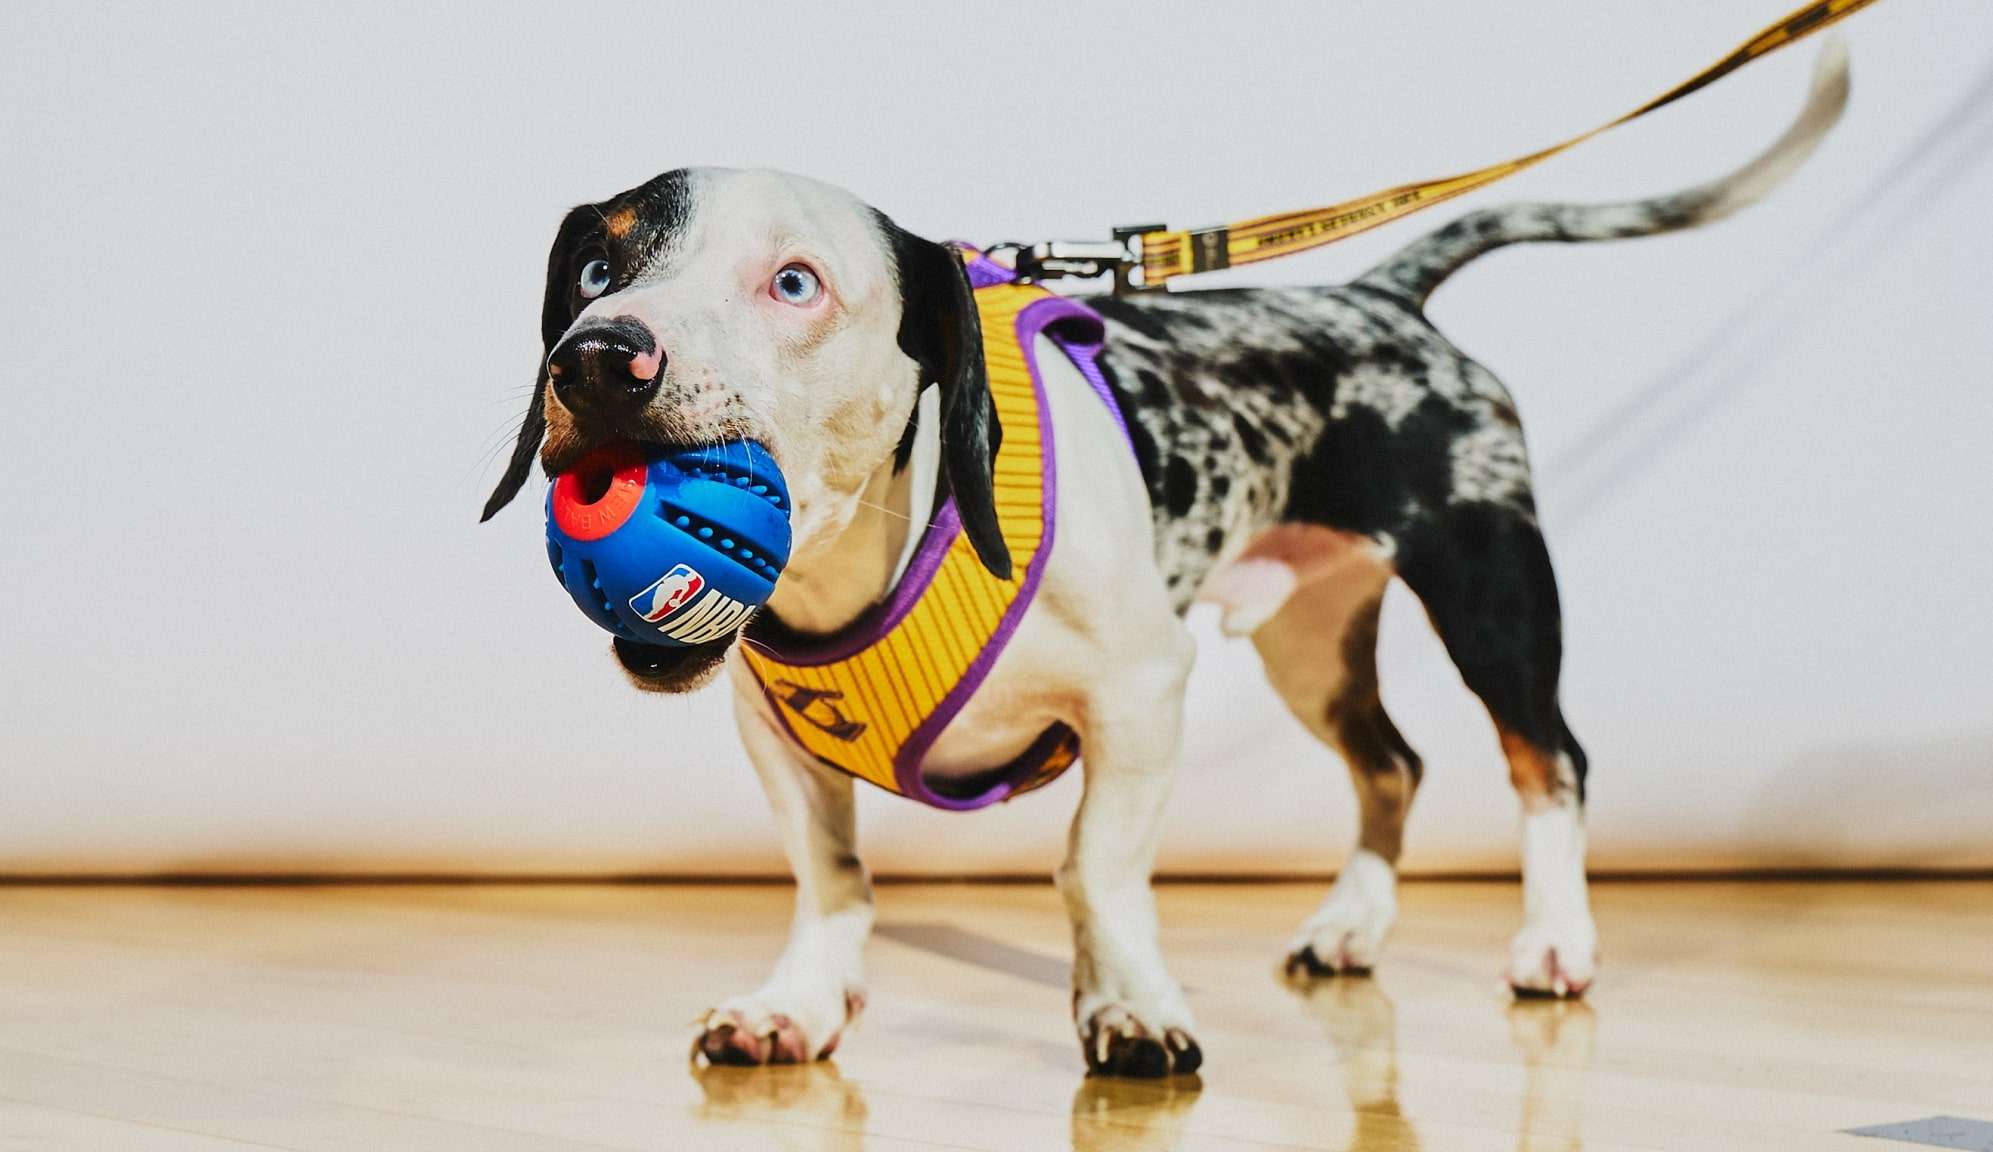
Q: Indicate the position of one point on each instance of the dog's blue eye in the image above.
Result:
(795, 284)
(594, 280)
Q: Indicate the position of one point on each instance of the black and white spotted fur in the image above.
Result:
(1344, 407)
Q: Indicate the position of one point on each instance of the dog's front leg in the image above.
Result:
(1129, 1010)
(818, 985)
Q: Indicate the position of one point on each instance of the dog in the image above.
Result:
(1294, 450)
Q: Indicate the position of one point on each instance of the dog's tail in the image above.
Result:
(1418, 268)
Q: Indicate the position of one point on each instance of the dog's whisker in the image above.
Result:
(764, 648)
(510, 399)
(494, 446)
(885, 510)
(507, 431)
(496, 442)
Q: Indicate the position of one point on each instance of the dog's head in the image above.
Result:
(711, 305)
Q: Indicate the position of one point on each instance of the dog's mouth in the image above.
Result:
(670, 668)
(568, 452)
(567, 447)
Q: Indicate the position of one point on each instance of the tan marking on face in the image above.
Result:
(620, 222)
(561, 441)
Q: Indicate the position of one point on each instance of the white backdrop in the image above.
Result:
(269, 283)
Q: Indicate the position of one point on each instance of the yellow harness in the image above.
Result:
(872, 700)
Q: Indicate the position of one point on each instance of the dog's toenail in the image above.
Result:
(1184, 1054)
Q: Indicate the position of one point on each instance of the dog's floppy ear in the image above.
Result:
(940, 330)
(555, 316)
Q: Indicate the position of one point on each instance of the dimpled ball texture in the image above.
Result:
(669, 546)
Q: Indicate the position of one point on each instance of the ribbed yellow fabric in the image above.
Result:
(858, 712)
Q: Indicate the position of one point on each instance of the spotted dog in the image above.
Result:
(1294, 450)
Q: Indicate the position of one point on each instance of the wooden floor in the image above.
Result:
(1728, 1016)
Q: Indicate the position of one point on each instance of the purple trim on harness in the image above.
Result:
(942, 528)
(1083, 352)
(1080, 340)
(907, 766)
(883, 617)
(1079, 337)
(983, 271)
(1086, 359)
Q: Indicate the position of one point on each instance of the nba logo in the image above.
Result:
(674, 590)
(685, 609)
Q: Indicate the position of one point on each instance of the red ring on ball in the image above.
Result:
(597, 495)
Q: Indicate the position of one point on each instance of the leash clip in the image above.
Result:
(1084, 259)
(1058, 259)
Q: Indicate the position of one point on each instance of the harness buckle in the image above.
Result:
(1085, 259)
(1058, 259)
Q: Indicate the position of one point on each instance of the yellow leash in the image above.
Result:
(1163, 254)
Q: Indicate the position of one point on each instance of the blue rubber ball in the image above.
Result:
(672, 547)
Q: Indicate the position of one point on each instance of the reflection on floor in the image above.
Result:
(1553, 1040)
(1762, 1017)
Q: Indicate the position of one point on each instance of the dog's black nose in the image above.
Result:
(606, 368)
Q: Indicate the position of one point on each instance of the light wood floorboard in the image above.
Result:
(1757, 1016)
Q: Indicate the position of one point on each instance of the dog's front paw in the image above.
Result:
(1123, 1040)
(1346, 934)
(771, 1027)
(1554, 956)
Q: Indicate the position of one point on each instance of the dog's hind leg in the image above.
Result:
(1483, 573)
(817, 987)
(1320, 655)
